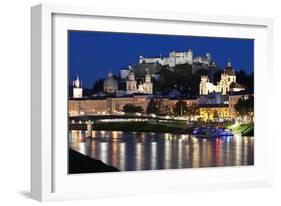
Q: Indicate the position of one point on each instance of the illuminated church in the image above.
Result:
(226, 84)
(110, 85)
(132, 87)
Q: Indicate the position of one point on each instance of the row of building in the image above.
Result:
(209, 105)
(111, 85)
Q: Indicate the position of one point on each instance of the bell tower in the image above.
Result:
(131, 83)
(77, 88)
(203, 89)
(148, 85)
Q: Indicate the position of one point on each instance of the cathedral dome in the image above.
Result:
(110, 85)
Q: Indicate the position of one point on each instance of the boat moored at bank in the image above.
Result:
(209, 132)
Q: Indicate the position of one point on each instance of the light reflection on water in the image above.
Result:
(150, 151)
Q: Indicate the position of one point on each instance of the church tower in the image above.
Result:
(148, 85)
(203, 89)
(227, 78)
(131, 83)
(77, 88)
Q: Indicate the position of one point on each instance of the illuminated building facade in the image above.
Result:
(112, 105)
(87, 106)
(226, 84)
(214, 111)
(172, 60)
(132, 87)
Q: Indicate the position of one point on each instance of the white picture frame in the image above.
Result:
(49, 178)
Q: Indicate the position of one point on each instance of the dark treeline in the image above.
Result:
(182, 79)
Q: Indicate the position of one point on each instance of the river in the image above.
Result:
(150, 151)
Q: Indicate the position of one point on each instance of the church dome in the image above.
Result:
(110, 85)
(229, 69)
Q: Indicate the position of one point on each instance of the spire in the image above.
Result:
(110, 73)
(77, 88)
(229, 63)
(77, 82)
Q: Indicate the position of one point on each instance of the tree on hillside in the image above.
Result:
(245, 106)
(179, 77)
(245, 79)
(130, 108)
(98, 86)
(217, 76)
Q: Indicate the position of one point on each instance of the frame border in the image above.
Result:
(42, 154)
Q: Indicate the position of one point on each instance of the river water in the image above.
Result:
(150, 151)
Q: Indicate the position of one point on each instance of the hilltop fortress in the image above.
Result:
(176, 58)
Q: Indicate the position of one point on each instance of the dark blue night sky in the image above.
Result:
(92, 54)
